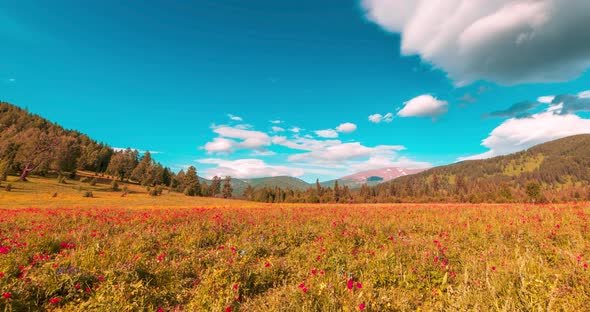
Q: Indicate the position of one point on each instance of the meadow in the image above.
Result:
(173, 253)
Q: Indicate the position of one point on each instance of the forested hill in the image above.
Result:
(555, 171)
(30, 144)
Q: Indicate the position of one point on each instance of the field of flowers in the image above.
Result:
(297, 258)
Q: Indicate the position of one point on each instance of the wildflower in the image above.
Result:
(77, 286)
(314, 272)
(302, 285)
(55, 300)
(1, 274)
(266, 265)
(101, 278)
(350, 284)
(228, 309)
(6, 295)
(160, 310)
(493, 268)
(359, 285)
(362, 306)
(235, 287)
(304, 290)
(88, 290)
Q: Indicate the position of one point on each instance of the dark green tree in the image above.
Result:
(227, 189)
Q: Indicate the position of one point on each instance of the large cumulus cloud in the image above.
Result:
(505, 41)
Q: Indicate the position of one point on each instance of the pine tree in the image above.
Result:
(227, 189)
(215, 187)
(336, 191)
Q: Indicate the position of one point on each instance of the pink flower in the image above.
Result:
(266, 265)
(101, 278)
(493, 268)
(235, 287)
(304, 290)
(362, 306)
(77, 286)
(88, 290)
(55, 300)
(350, 284)
(314, 272)
(228, 309)
(359, 285)
(6, 295)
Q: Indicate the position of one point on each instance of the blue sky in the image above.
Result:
(201, 82)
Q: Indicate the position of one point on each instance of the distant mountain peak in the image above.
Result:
(387, 174)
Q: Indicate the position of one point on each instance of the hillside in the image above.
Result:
(282, 182)
(560, 167)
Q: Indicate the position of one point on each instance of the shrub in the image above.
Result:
(8, 187)
(156, 191)
(125, 189)
(114, 186)
(87, 194)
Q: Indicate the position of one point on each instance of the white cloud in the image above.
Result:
(328, 133)
(277, 129)
(584, 94)
(377, 118)
(423, 106)
(250, 139)
(220, 145)
(276, 122)
(295, 129)
(346, 127)
(505, 41)
(518, 134)
(234, 118)
(379, 162)
(547, 99)
(247, 168)
(338, 152)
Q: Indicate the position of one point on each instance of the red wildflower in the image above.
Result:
(266, 265)
(88, 290)
(55, 300)
(235, 287)
(228, 309)
(101, 278)
(350, 284)
(314, 272)
(77, 286)
(1, 274)
(304, 290)
(493, 268)
(362, 306)
(302, 285)
(359, 285)
(6, 295)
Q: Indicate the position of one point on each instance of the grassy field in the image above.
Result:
(174, 253)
